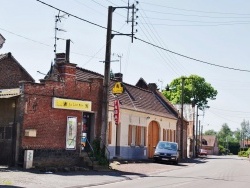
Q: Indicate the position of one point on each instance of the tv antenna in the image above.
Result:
(58, 19)
(120, 59)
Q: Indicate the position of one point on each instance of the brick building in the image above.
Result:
(48, 117)
(11, 72)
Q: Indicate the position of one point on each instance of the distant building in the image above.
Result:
(210, 143)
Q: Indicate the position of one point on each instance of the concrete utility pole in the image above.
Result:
(106, 78)
(106, 81)
(196, 135)
(182, 125)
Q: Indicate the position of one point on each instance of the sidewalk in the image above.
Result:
(122, 170)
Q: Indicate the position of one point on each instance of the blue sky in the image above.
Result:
(213, 31)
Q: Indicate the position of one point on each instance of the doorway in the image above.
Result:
(153, 137)
(7, 131)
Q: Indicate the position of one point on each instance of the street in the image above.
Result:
(214, 171)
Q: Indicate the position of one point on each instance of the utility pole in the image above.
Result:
(106, 80)
(196, 135)
(182, 125)
(193, 107)
(199, 134)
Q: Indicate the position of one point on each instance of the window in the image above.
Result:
(137, 135)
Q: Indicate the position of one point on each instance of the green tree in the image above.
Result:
(210, 132)
(196, 90)
(227, 140)
(237, 135)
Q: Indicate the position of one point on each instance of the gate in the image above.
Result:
(7, 122)
(5, 144)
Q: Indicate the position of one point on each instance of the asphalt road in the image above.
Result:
(215, 171)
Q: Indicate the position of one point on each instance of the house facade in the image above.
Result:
(56, 117)
(145, 119)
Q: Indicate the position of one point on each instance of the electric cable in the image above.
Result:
(236, 69)
(243, 70)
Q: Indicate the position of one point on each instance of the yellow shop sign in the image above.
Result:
(118, 88)
(70, 104)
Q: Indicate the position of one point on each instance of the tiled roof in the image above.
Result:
(134, 98)
(9, 55)
(84, 74)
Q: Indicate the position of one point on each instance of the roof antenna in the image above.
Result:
(58, 19)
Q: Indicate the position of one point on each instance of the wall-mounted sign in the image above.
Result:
(69, 104)
(7, 93)
(117, 112)
(118, 88)
(71, 132)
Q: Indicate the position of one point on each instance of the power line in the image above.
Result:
(244, 70)
(193, 15)
(92, 23)
(35, 41)
(189, 10)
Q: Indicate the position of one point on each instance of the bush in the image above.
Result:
(99, 153)
(244, 153)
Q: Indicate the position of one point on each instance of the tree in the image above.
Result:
(196, 90)
(245, 128)
(237, 135)
(210, 132)
(228, 140)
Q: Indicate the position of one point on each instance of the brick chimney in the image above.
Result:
(67, 71)
(118, 77)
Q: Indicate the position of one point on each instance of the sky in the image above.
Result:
(216, 33)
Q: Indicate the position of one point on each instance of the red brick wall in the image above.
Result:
(37, 113)
(51, 123)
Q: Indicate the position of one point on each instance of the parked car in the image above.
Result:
(166, 151)
(202, 152)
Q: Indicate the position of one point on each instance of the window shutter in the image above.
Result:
(164, 134)
(110, 133)
(129, 135)
(145, 136)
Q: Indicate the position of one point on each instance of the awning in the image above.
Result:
(7, 93)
